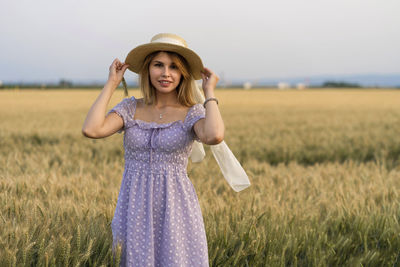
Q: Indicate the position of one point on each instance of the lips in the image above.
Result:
(165, 83)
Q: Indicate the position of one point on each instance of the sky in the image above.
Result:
(47, 40)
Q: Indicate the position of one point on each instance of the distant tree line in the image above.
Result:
(61, 84)
(340, 84)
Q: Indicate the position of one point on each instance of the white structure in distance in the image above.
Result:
(301, 86)
(283, 85)
(247, 85)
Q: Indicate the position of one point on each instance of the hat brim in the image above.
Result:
(137, 55)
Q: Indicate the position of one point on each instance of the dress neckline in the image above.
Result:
(156, 123)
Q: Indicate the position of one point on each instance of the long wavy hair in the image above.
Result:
(185, 90)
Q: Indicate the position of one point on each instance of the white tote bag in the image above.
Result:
(198, 152)
(230, 167)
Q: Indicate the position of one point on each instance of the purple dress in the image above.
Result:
(158, 220)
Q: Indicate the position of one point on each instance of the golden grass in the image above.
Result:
(324, 167)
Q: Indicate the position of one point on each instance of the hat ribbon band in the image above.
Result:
(168, 41)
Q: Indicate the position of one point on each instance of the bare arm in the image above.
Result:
(211, 129)
(96, 124)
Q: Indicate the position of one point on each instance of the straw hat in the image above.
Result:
(165, 42)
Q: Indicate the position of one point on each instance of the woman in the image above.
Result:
(158, 220)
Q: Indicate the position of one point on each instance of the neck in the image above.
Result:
(168, 99)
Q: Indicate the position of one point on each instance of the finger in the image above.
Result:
(124, 67)
(208, 71)
(212, 75)
(204, 76)
(205, 73)
(115, 62)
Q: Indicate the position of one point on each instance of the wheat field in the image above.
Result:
(324, 167)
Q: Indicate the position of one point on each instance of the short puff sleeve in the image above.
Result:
(196, 113)
(124, 109)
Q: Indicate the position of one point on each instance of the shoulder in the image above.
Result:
(195, 113)
(128, 103)
(197, 109)
(130, 100)
(139, 102)
(126, 107)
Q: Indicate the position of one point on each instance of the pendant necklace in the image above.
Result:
(161, 115)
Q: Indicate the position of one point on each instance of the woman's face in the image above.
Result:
(164, 74)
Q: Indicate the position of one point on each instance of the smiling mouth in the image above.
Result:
(163, 82)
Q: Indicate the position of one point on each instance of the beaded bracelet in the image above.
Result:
(210, 99)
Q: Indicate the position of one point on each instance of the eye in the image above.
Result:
(158, 64)
(174, 67)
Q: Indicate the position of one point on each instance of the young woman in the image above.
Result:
(158, 220)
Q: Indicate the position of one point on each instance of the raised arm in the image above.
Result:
(96, 124)
(211, 129)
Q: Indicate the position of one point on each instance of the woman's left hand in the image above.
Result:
(210, 80)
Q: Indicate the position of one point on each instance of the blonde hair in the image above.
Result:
(184, 89)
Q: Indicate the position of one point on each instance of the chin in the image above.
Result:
(165, 90)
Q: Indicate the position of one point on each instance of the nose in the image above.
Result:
(166, 72)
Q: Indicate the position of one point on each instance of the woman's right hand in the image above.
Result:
(117, 70)
(97, 125)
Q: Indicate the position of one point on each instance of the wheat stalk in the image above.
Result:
(125, 87)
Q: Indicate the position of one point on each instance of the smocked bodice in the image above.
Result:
(157, 147)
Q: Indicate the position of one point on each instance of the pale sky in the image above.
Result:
(47, 40)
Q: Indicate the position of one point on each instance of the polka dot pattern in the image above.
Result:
(158, 220)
